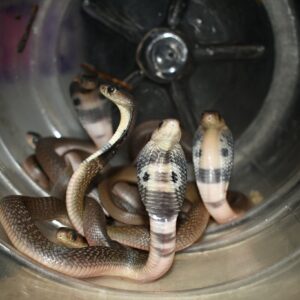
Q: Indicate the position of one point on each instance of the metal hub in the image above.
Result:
(162, 54)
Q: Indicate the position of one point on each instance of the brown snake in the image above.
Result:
(161, 157)
(35, 172)
(49, 154)
(52, 160)
(133, 236)
(90, 167)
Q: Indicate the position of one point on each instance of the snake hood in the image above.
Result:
(92, 108)
(89, 104)
(213, 150)
(161, 169)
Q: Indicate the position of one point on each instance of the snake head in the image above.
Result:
(32, 139)
(85, 82)
(167, 134)
(116, 95)
(212, 119)
(70, 238)
(84, 93)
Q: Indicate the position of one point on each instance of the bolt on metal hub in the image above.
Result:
(162, 55)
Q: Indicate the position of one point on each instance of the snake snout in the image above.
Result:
(211, 118)
(171, 125)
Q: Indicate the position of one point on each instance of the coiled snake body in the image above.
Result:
(161, 177)
(91, 166)
(163, 150)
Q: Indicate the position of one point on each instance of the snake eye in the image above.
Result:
(76, 101)
(34, 137)
(111, 89)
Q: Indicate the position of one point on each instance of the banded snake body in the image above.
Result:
(161, 176)
(114, 261)
(213, 161)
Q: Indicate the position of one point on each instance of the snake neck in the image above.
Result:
(161, 252)
(76, 191)
(126, 117)
(91, 166)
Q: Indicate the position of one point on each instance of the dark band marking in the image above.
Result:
(161, 204)
(216, 204)
(92, 115)
(164, 252)
(212, 175)
(160, 194)
(164, 237)
(161, 176)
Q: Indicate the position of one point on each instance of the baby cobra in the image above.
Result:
(161, 181)
(91, 166)
(213, 161)
(93, 110)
